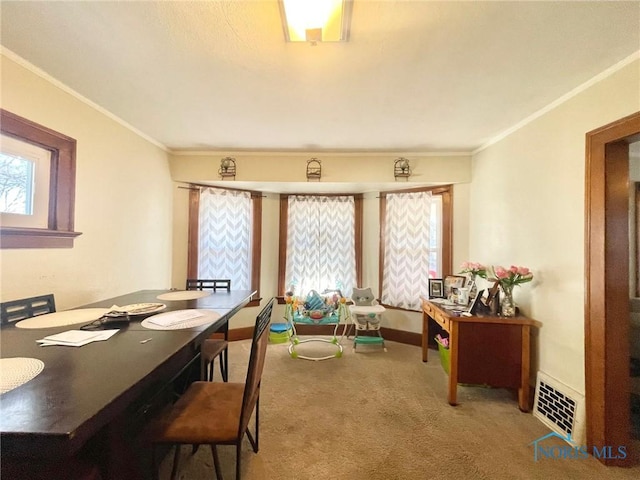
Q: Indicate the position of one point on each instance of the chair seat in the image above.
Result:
(208, 412)
(211, 348)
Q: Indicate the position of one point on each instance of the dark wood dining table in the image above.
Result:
(97, 397)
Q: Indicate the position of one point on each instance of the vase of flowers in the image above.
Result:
(474, 269)
(507, 305)
(509, 278)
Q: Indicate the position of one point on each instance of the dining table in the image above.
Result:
(92, 402)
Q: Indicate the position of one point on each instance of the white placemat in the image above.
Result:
(18, 371)
(207, 316)
(183, 295)
(65, 317)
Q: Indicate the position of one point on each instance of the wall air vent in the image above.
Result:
(560, 407)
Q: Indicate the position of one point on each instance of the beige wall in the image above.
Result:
(123, 203)
(266, 168)
(273, 171)
(527, 208)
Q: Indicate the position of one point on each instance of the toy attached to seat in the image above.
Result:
(316, 310)
(365, 313)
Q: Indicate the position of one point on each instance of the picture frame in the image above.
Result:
(436, 288)
(475, 303)
(473, 289)
(453, 281)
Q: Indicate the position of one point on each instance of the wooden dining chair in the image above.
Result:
(213, 347)
(214, 284)
(16, 310)
(217, 413)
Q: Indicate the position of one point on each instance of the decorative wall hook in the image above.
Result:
(314, 169)
(401, 168)
(227, 168)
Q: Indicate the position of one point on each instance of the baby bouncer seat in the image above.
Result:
(366, 315)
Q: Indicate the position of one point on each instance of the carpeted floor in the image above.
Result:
(376, 415)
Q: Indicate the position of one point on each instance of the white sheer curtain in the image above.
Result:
(406, 249)
(320, 244)
(224, 237)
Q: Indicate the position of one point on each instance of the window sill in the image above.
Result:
(11, 237)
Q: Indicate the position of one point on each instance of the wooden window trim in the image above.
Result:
(256, 239)
(636, 246)
(446, 191)
(282, 246)
(59, 232)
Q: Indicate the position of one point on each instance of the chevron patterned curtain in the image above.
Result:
(321, 252)
(224, 240)
(406, 251)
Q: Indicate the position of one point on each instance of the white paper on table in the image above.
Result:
(172, 318)
(77, 338)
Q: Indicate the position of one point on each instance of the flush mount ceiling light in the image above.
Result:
(316, 20)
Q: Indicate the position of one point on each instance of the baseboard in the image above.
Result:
(400, 336)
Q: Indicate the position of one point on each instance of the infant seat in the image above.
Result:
(366, 316)
(315, 311)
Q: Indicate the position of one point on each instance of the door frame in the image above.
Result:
(607, 318)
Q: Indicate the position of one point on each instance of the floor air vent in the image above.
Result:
(560, 407)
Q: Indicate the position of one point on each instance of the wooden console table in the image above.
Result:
(485, 350)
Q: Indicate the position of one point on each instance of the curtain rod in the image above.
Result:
(198, 186)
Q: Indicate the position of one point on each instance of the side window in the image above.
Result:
(37, 185)
(225, 236)
(415, 245)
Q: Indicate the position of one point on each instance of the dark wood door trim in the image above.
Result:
(607, 285)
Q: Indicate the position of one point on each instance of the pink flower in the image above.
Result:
(514, 276)
(501, 272)
(474, 268)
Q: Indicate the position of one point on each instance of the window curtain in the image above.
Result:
(320, 244)
(406, 249)
(224, 236)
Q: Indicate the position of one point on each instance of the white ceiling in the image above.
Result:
(416, 76)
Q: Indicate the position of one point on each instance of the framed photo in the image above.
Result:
(475, 303)
(436, 288)
(473, 290)
(453, 281)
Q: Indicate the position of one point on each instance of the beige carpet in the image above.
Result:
(376, 415)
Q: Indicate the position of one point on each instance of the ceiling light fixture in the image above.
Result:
(316, 20)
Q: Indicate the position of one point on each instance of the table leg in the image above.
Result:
(523, 391)
(425, 336)
(453, 364)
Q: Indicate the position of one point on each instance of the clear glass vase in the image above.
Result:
(507, 305)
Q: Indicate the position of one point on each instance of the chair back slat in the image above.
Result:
(256, 364)
(16, 310)
(214, 284)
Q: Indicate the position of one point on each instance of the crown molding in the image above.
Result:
(564, 98)
(315, 153)
(65, 88)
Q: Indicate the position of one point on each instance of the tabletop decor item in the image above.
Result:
(509, 278)
(474, 270)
